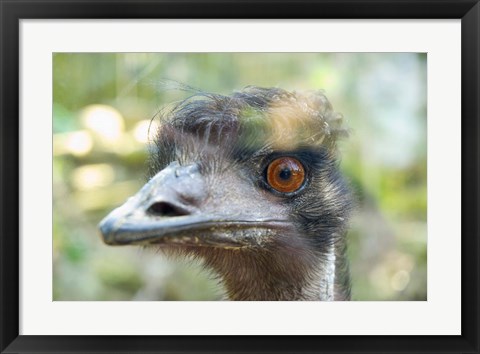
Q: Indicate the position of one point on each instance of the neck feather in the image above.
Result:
(281, 274)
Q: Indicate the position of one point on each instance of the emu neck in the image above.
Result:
(274, 276)
(265, 285)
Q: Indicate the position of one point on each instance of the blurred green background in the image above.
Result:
(103, 104)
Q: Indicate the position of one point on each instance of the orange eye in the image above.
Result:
(285, 174)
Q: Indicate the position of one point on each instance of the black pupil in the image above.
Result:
(285, 174)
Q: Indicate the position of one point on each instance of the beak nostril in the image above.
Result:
(166, 209)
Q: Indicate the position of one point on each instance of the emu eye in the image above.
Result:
(285, 174)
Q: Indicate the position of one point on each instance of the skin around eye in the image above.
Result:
(285, 174)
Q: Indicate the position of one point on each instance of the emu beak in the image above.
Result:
(166, 207)
(169, 209)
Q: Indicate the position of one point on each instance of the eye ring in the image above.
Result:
(285, 174)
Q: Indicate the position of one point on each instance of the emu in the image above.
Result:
(250, 184)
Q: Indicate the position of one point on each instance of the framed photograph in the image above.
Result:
(315, 162)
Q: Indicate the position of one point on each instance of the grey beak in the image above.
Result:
(166, 205)
(171, 209)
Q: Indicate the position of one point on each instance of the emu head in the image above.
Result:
(250, 184)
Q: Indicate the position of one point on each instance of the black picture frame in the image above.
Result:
(13, 11)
